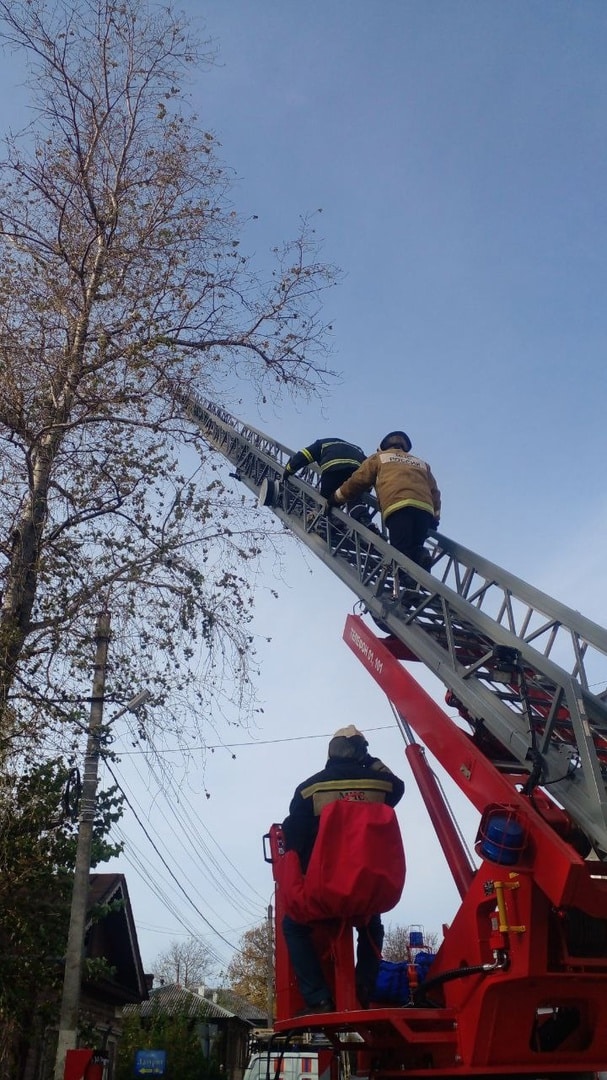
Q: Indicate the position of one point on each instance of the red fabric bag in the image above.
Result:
(357, 867)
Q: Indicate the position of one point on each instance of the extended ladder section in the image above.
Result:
(525, 671)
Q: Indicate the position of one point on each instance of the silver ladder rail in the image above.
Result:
(516, 663)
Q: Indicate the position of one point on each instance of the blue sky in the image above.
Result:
(458, 153)
(457, 149)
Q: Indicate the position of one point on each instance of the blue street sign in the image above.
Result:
(150, 1062)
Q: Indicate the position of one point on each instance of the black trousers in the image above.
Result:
(307, 967)
(407, 529)
(334, 478)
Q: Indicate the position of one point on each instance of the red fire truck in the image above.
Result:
(518, 985)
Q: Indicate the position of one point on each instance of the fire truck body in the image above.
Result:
(518, 986)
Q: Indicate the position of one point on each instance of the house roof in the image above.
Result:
(173, 999)
(237, 1004)
(114, 937)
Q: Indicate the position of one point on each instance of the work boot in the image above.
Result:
(320, 1007)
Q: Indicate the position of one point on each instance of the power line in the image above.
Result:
(188, 829)
(165, 864)
(191, 829)
(139, 864)
(236, 746)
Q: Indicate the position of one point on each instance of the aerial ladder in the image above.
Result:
(519, 984)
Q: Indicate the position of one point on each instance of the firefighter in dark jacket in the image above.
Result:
(350, 773)
(336, 460)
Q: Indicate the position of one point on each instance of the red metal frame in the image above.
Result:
(519, 984)
(558, 870)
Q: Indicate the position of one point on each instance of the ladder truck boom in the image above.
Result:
(518, 664)
(518, 987)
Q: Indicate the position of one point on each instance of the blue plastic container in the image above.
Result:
(392, 986)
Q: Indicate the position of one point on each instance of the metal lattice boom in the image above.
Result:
(517, 664)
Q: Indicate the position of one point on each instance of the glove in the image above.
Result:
(286, 474)
(436, 522)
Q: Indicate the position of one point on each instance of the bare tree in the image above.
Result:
(187, 963)
(397, 946)
(123, 286)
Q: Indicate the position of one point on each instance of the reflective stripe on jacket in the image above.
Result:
(328, 454)
(342, 778)
(400, 479)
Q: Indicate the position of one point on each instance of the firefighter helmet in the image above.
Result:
(395, 438)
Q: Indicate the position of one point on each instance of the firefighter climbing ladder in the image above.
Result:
(520, 667)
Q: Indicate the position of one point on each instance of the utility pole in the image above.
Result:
(68, 1018)
(270, 969)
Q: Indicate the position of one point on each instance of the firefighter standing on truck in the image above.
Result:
(350, 773)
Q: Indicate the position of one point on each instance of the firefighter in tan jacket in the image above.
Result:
(407, 494)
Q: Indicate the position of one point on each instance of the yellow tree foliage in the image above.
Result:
(250, 972)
